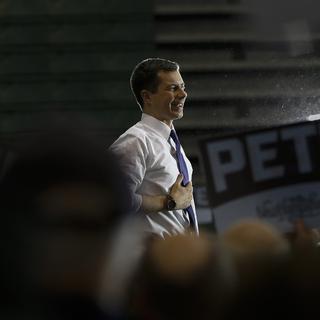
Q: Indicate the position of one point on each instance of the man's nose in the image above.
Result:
(182, 93)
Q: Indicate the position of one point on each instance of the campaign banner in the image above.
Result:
(204, 211)
(272, 174)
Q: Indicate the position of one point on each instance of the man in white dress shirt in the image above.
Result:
(148, 153)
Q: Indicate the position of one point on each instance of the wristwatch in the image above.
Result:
(170, 203)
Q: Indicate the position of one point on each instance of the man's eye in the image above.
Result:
(175, 88)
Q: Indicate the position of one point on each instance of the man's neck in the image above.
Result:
(167, 122)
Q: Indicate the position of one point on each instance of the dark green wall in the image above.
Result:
(70, 59)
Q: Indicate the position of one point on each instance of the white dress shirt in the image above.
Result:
(147, 154)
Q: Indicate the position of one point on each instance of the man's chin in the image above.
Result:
(178, 114)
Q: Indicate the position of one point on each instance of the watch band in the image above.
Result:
(170, 203)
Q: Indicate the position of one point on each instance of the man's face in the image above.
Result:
(167, 103)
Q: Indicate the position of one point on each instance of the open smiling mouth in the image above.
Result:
(177, 105)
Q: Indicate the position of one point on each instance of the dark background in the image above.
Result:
(247, 65)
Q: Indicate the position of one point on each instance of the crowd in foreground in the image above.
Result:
(71, 250)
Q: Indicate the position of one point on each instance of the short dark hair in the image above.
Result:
(60, 158)
(145, 75)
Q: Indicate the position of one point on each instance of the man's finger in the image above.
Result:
(189, 185)
(179, 178)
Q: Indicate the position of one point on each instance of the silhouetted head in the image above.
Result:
(61, 201)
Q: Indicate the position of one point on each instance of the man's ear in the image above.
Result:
(145, 95)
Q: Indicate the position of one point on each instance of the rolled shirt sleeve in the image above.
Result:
(132, 154)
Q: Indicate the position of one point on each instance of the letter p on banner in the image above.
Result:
(220, 168)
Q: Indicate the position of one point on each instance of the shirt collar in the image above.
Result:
(157, 125)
